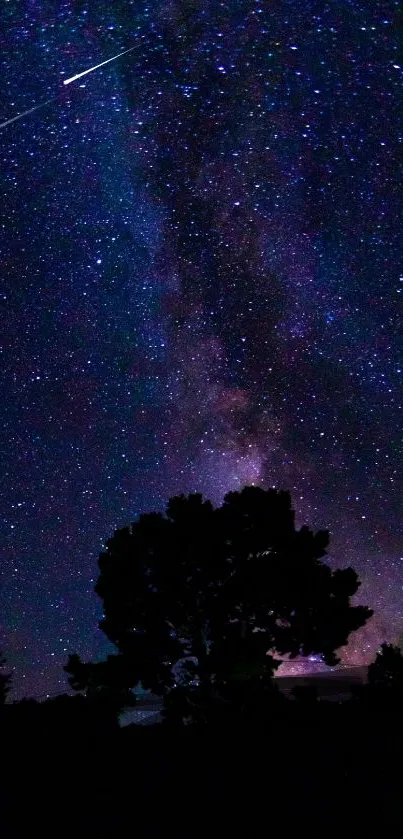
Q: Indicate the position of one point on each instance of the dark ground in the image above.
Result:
(316, 770)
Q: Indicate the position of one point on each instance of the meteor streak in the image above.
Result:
(84, 73)
(67, 81)
(25, 113)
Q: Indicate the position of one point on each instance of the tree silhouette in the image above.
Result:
(386, 672)
(5, 680)
(198, 597)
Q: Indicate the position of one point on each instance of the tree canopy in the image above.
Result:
(202, 597)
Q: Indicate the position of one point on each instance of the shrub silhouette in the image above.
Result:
(5, 679)
(386, 671)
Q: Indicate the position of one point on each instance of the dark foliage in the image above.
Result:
(197, 597)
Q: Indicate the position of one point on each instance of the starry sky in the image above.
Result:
(201, 272)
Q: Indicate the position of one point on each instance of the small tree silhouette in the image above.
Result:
(386, 672)
(199, 596)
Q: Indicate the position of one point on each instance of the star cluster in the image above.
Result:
(202, 270)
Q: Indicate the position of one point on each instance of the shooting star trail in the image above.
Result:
(66, 81)
(97, 66)
(25, 113)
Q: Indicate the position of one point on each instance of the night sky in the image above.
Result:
(201, 272)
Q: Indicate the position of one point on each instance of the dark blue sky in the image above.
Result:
(201, 276)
